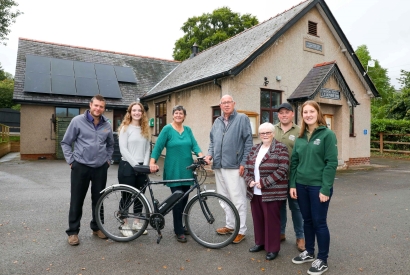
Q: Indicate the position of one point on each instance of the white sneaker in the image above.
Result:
(137, 226)
(126, 231)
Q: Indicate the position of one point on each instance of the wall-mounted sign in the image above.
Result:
(313, 46)
(329, 93)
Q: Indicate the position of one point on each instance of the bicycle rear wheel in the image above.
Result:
(214, 208)
(123, 214)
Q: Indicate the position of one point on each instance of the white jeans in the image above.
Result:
(232, 186)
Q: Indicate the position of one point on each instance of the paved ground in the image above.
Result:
(369, 219)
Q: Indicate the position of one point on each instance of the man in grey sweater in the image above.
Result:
(231, 142)
(93, 141)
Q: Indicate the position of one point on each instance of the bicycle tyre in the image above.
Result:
(197, 225)
(114, 214)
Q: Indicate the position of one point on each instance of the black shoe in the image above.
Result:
(271, 255)
(186, 232)
(304, 257)
(318, 267)
(181, 238)
(256, 248)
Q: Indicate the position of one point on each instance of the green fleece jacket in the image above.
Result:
(314, 162)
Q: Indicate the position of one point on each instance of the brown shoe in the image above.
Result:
(239, 238)
(73, 240)
(282, 237)
(99, 234)
(300, 243)
(224, 230)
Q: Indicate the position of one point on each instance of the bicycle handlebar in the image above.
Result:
(200, 161)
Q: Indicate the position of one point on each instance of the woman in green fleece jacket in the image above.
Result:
(313, 169)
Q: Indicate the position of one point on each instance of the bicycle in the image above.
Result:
(122, 205)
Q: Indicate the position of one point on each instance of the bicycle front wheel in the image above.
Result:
(206, 213)
(123, 214)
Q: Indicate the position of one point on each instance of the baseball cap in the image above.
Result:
(286, 106)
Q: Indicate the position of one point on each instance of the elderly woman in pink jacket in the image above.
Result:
(266, 172)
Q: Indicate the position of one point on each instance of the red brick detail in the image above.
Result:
(37, 156)
(358, 161)
(324, 64)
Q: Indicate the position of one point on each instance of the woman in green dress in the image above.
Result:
(179, 143)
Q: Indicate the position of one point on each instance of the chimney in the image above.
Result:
(194, 49)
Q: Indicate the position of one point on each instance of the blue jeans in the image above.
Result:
(296, 217)
(314, 215)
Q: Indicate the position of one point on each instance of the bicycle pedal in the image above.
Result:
(159, 238)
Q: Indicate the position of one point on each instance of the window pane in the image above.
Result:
(217, 112)
(72, 112)
(275, 118)
(275, 100)
(61, 112)
(264, 116)
(265, 99)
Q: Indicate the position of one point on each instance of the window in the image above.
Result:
(67, 112)
(312, 28)
(160, 116)
(270, 101)
(216, 112)
(351, 126)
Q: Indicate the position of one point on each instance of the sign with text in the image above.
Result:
(329, 93)
(313, 46)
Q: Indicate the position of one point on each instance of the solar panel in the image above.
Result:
(86, 86)
(37, 83)
(62, 67)
(125, 74)
(109, 88)
(84, 69)
(38, 64)
(105, 72)
(63, 85)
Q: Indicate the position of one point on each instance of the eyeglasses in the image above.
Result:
(226, 102)
(265, 134)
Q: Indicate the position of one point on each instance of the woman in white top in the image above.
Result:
(135, 150)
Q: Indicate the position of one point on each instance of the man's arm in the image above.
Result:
(70, 136)
(110, 146)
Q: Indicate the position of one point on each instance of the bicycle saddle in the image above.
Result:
(142, 169)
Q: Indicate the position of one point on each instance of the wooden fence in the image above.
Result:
(386, 145)
(5, 133)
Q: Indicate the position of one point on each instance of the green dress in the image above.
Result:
(179, 148)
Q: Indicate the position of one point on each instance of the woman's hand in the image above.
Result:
(293, 194)
(153, 168)
(252, 184)
(323, 198)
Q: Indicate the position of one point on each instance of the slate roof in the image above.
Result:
(316, 78)
(149, 71)
(235, 54)
(226, 57)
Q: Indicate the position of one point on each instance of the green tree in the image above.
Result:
(381, 81)
(7, 17)
(210, 29)
(6, 93)
(399, 107)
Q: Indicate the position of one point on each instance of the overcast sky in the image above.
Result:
(150, 28)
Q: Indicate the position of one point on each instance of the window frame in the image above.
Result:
(214, 109)
(351, 122)
(271, 110)
(66, 111)
(158, 115)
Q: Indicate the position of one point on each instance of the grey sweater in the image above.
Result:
(230, 145)
(92, 147)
